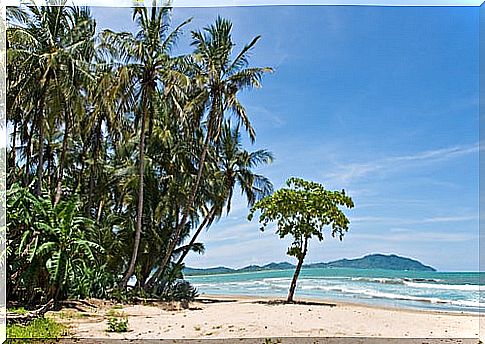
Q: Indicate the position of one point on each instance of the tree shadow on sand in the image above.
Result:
(201, 300)
(304, 303)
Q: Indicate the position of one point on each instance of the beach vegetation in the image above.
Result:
(271, 341)
(113, 312)
(122, 150)
(302, 211)
(17, 310)
(37, 328)
(117, 324)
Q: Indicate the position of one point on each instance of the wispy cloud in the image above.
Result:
(404, 221)
(441, 219)
(403, 235)
(352, 171)
(268, 116)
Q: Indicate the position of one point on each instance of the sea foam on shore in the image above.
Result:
(457, 291)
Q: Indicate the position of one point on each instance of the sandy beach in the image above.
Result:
(251, 317)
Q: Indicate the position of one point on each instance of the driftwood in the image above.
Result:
(24, 318)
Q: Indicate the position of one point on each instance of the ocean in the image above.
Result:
(446, 291)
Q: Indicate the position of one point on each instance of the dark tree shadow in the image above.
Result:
(304, 303)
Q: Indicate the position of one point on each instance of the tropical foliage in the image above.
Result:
(302, 211)
(121, 151)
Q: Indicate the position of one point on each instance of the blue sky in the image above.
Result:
(381, 101)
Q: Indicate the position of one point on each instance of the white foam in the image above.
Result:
(379, 280)
(435, 292)
(466, 287)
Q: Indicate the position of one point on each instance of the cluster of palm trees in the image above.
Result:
(121, 153)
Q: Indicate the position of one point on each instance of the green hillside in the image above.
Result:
(372, 261)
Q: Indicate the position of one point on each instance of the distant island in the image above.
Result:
(371, 261)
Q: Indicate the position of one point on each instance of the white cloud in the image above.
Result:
(352, 171)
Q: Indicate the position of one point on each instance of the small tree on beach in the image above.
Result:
(303, 210)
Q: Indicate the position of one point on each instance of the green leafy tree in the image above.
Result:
(302, 211)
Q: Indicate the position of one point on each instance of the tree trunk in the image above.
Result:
(190, 202)
(161, 269)
(97, 136)
(139, 212)
(100, 210)
(196, 234)
(60, 174)
(291, 292)
(25, 318)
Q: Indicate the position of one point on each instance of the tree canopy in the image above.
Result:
(302, 211)
(121, 151)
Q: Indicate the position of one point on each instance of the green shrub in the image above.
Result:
(91, 281)
(116, 324)
(179, 290)
(124, 296)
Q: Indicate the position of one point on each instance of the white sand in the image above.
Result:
(246, 318)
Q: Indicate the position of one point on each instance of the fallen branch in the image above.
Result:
(24, 318)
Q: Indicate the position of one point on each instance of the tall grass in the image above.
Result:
(37, 328)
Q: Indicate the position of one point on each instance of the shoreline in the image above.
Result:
(229, 316)
(239, 297)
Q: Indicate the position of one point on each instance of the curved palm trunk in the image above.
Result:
(175, 238)
(291, 292)
(151, 280)
(139, 213)
(161, 268)
(206, 220)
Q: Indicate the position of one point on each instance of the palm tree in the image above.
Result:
(235, 168)
(223, 77)
(147, 54)
(55, 47)
(118, 144)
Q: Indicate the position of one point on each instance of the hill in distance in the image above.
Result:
(371, 261)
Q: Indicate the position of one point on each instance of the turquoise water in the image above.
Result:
(450, 291)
